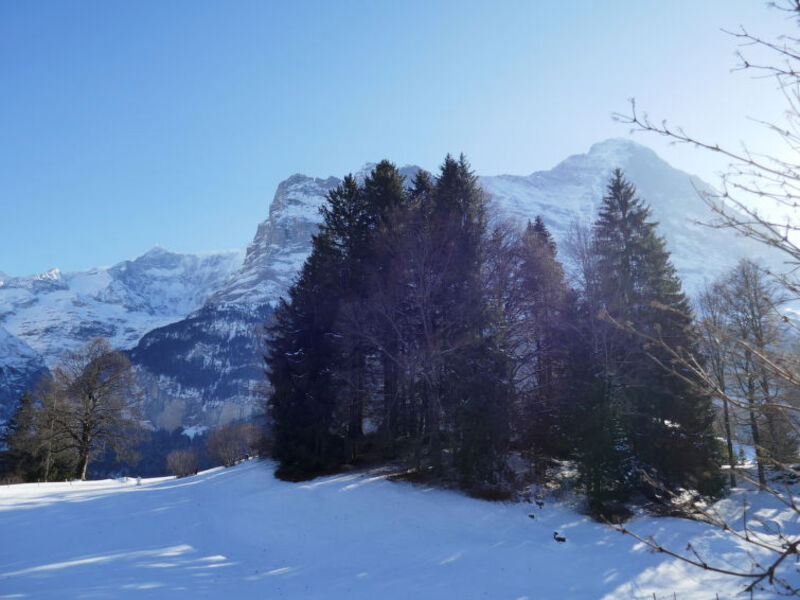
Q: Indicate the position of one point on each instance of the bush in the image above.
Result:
(10, 479)
(492, 493)
(234, 442)
(182, 463)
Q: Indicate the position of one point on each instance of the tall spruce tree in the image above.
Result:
(307, 357)
(475, 393)
(544, 295)
(667, 420)
(594, 428)
(318, 362)
(300, 361)
(384, 190)
(20, 457)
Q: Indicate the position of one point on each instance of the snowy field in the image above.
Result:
(240, 533)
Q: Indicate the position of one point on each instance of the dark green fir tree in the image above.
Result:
(666, 416)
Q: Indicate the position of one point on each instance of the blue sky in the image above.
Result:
(130, 124)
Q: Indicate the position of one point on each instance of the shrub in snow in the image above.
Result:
(234, 442)
(182, 463)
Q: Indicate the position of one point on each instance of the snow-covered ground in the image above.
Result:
(240, 533)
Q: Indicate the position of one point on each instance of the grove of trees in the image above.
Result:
(420, 332)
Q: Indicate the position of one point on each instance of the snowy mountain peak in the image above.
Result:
(575, 187)
(53, 274)
(603, 157)
(155, 252)
(612, 148)
(364, 171)
(298, 196)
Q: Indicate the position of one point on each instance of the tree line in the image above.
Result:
(419, 330)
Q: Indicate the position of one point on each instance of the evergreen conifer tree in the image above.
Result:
(475, 393)
(299, 366)
(667, 420)
(544, 294)
(20, 458)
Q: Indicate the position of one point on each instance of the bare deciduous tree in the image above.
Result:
(233, 442)
(93, 403)
(715, 347)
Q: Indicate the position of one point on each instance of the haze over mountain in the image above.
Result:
(194, 324)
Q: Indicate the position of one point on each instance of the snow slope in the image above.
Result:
(240, 533)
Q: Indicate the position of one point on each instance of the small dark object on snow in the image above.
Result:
(531, 516)
(559, 538)
(539, 503)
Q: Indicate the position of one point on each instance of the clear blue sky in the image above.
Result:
(129, 124)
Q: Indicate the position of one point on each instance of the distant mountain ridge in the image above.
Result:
(194, 324)
(53, 312)
(44, 316)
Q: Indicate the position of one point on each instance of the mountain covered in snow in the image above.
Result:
(44, 316)
(54, 312)
(207, 368)
(194, 324)
(573, 189)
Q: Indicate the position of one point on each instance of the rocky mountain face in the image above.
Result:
(20, 368)
(194, 325)
(207, 369)
(280, 246)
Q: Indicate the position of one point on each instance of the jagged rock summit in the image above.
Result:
(280, 245)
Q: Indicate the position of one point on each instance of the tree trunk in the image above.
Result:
(83, 465)
(729, 439)
(762, 479)
(434, 430)
(389, 398)
(83, 456)
(355, 426)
